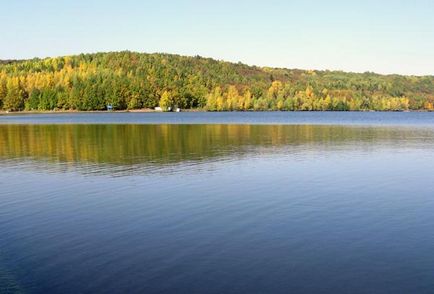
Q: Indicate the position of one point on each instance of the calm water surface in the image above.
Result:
(225, 203)
(293, 118)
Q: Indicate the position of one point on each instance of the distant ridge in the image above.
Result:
(131, 80)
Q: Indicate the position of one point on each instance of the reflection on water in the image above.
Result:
(216, 209)
(131, 148)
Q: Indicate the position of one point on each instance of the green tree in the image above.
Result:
(134, 80)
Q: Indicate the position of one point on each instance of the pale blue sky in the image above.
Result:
(384, 36)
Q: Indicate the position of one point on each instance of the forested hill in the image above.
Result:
(129, 80)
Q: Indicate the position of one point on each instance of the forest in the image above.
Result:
(128, 81)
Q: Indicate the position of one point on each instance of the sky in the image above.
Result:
(384, 36)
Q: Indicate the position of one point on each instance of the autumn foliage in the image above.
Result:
(130, 80)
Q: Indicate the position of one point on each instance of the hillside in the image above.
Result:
(129, 80)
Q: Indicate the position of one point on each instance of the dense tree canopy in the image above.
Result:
(129, 80)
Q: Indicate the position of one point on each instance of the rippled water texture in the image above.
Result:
(241, 203)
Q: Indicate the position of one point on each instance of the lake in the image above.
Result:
(217, 203)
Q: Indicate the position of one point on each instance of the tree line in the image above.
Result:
(129, 80)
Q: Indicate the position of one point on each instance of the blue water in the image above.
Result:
(321, 203)
(339, 118)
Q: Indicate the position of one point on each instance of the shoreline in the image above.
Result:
(144, 110)
(148, 110)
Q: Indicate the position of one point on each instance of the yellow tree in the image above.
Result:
(211, 102)
(232, 98)
(274, 90)
(220, 102)
(428, 106)
(247, 101)
(3, 90)
(14, 99)
(165, 101)
(309, 92)
(327, 103)
(280, 104)
(405, 103)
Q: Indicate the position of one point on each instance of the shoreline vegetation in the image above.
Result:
(139, 82)
(149, 110)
